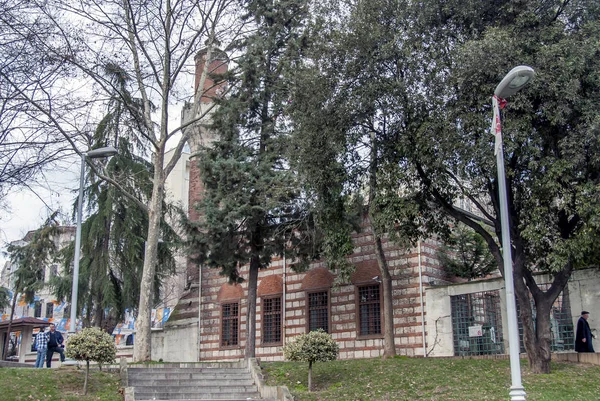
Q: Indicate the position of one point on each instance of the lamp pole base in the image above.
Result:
(517, 394)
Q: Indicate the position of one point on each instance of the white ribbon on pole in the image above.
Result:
(496, 125)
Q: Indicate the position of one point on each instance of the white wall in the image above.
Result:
(584, 294)
(178, 344)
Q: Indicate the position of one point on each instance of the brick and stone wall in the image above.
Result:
(404, 266)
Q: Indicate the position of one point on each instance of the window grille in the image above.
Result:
(37, 312)
(49, 309)
(369, 310)
(230, 324)
(477, 323)
(271, 320)
(318, 311)
(561, 322)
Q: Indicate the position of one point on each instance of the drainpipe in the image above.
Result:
(199, 311)
(421, 294)
(284, 298)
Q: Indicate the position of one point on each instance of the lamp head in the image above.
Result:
(514, 81)
(101, 152)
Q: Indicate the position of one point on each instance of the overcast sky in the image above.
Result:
(26, 211)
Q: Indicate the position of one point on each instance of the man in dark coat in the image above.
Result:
(583, 336)
(55, 344)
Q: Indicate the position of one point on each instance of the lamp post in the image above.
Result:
(92, 154)
(514, 81)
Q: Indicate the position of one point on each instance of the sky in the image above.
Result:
(27, 211)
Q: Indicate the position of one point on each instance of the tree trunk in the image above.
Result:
(310, 376)
(250, 351)
(87, 375)
(142, 351)
(99, 315)
(537, 335)
(389, 347)
(9, 328)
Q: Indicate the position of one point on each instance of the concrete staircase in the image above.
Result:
(198, 382)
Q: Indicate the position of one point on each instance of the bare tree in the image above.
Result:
(154, 43)
(28, 145)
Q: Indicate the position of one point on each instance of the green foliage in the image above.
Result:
(408, 91)
(30, 259)
(92, 344)
(20, 384)
(114, 234)
(432, 379)
(4, 297)
(316, 346)
(253, 206)
(466, 254)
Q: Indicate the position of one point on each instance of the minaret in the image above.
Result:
(182, 332)
(209, 79)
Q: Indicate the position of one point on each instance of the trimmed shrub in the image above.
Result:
(316, 346)
(91, 344)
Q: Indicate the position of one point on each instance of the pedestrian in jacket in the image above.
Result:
(55, 344)
(583, 335)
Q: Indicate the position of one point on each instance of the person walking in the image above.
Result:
(55, 344)
(41, 345)
(583, 335)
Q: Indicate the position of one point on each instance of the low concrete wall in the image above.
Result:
(9, 364)
(177, 344)
(440, 340)
(584, 357)
(280, 393)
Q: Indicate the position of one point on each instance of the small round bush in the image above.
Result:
(91, 344)
(316, 346)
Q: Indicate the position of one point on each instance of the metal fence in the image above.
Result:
(561, 321)
(477, 323)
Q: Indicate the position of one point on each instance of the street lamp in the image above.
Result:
(513, 82)
(92, 154)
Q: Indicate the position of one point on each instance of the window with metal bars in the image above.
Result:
(230, 324)
(37, 312)
(49, 309)
(318, 311)
(369, 306)
(477, 323)
(271, 320)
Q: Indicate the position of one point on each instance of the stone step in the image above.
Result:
(199, 382)
(206, 399)
(196, 396)
(219, 382)
(189, 375)
(206, 370)
(214, 388)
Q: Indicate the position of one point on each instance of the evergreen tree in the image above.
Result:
(4, 297)
(465, 254)
(29, 261)
(253, 207)
(113, 235)
(550, 140)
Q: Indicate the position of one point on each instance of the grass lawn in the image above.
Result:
(432, 379)
(20, 384)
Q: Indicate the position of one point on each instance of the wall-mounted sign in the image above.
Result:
(476, 331)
